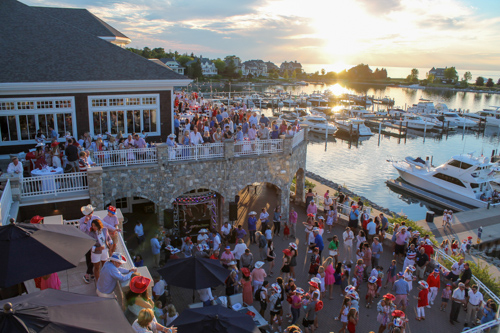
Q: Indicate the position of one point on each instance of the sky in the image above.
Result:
(392, 33)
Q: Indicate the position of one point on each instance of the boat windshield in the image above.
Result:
(459, 164)
(451, 115)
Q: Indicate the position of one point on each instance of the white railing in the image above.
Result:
(258, 147)
(107, 158)
(298, 138)
(196, 152)
(483, 327)
(5, 203)
(54, 184)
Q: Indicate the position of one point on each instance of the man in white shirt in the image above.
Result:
(457, 298)
(15, 167)
(195, 137)
(226, 230)
(206, 296)
(253, 120)
(348, 236)
(160, 289)
(327, 203)
(269, 234)
(129, 142)
(475, 301)
(456, 270)
(217, 241)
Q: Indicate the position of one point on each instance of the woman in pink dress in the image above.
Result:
(50, 281)
(246, 283)
(329, 278)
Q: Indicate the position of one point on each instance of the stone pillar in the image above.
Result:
(225, 210)
(96, 191)
(287, 145)
(228, 151)
(162, 154)
(306, 132)
(285, 202)
(300, 184)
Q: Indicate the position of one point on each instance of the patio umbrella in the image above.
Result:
(53, 310)
(214, 319)
(194, 273)
(33, 250)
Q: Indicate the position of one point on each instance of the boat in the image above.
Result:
(355, 126)
(415, 122)
(289, 102)
(302, 83)
(358, 111)
(454, 119)
(424, 106)
(323, 109)
(319, 124)
(490, 116)
(434, 118)
(465, 178)
(317, 99)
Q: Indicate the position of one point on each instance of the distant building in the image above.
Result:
(271, 66)
(291, 66)
(254, 67)
(438, 73)
(207, 67)
(173, 65)
(236, 61)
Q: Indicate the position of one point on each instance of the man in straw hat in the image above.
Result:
(85, 224)
(111, 273)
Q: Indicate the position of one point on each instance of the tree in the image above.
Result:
(183, 59)
(230, 68)
(285, 75)
(194, 70)
(467, 76)
(294, 74)
(220, 65)
(323, 72)
(414, 75)
(430, 78)
(490, 83)
(498, 82)
(480, 81)
(450, 74)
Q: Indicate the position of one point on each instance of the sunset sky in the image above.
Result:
(406, 33)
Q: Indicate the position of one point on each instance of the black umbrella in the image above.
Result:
(33, 250)
(214, 319)
(53, 310)
(194, 273)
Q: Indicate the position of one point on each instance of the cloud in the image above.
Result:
(379, 7)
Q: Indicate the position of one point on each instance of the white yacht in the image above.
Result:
(465, 178)
(323, 109)
(358, 111)
(317, 99)
(434, 118)
(454, 119)
(319, 124)
(424, 106)
(356, 125)
(415, 122)
(491, 116)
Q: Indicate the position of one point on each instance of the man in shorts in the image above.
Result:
(263, 298)
(401, 290)
(456, 270)
(402, 238)
(310, 314)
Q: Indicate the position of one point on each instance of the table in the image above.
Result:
(258, 319)
(48, 183)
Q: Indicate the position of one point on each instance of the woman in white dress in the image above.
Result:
(56, 155)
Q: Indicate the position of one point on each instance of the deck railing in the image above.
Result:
(5, 203)
(298, 138)
(54, 184)
(196, 152)
(107, 158)
(258, 147)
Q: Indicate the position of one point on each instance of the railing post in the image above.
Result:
(287, 142)
(96, 189)
(228, 149)
(162, 154)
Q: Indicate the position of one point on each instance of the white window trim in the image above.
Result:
(18, 112)
(124, 108)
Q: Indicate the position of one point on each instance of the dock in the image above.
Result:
(417, 192)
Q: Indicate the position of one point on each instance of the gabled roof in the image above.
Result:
(39, 48)
(83, 19)
(159, 62)
(165, 60)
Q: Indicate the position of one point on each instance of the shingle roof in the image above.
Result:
(159, 62)
(83, 19)
(39, 48)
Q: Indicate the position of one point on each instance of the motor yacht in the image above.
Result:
(415, 122)
(464, 178)
(454, 119)
(323, 109)
(319, 124)
(424, 106)
(317, 99)
(490, 116)
(358, 111)
(355, 125)
(434, 118)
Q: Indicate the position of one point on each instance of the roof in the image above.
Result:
(202, 60)
(165, 60)
(159, 62)
(39, 48)
(83, 19)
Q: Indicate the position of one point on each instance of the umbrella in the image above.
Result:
(214, 319)
(53, 310)
(33, 250)
(194, 273)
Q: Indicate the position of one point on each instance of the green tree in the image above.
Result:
(183, 59)
(146, 52)
(467, 76)
(323, 72)
(413, 75)
(490, 83)
(480, 81)
(294, 74)
(430, 78)
(230, 68)
(220, 64)
(285, 75)
(450, 74)
(195, 71)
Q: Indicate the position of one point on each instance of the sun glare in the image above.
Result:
(338, 90)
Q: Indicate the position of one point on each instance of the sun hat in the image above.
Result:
(372, 279)
(287, 252)
(416, 233)
(400, 274)
(54, 144)
(171, 135)
(199, 247)
(118, 257)
(228, 247)
(293, 245)
(231, 263)
(398, 313)
(349, 288)
(175, 250)
(436, 270)
(315, 279)
(428, 242)
(276, 287)
(412, 268)
(245, 271)
(299, 291)
(169, 248)
(39, 144)
(87, 210)
(354, 206)
(313, 284)
(470, 237)
(353, 295)
(423, 284)
(206, 247)
(398, 322)
(36, 219)
(315, 229)
(259, 264)
(203, 231)
(390, 297)
(252, 213)
(139, 284)
(112, 210)
(187, 239)
(237, 306)
(321, 218)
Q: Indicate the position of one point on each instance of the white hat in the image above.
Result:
(237, 306)
(252, 213)
(87, 210)
(321, 218)
(259, 264)
(118, 257)
(428, 242)
(372, 279)
(231, 263)
(203, 231)
(39, 144)
(276, 287)
(175, 250)
(172, 135)
(293, 245)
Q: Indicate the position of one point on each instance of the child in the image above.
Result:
(391, 275)
(372, 289)
(445, 297)
(344, 311)
(463, 247)
(344, 279)
(352, 318)
(422, 298)
(321, 277)
(379, 282)
(329, 219)
(454, 247)
(286, 231)
(159, 314)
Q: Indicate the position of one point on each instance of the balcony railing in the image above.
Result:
(54, 184)
(107, 158)
(258, 147)
(5, 203)
(196, 152)
(298, 138)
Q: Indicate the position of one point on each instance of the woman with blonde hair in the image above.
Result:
(172, 314)
(146, 323)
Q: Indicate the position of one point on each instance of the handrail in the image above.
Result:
(298, 138)
(196, 152)
(258, 147)
(5, 203)
(54, 184)
(125, 157)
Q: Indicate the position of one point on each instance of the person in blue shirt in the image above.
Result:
(155, 249)
(275, 134)
(353, 218)
(252, 226)
(177, 126)
(318, 241)
(245, 126)
(171, 140)
(239, 134)
(112, 273)
(264, 120)
(218, 117)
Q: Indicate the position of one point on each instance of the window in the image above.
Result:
(449, 179)
(22, 118)
(460, 164)
(126, 114)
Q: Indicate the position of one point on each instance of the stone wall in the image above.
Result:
(163, 182)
